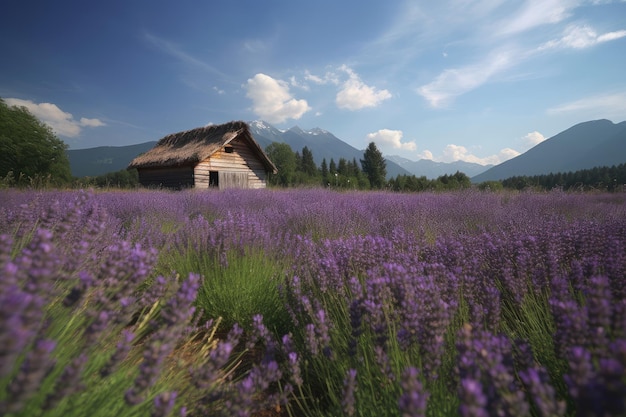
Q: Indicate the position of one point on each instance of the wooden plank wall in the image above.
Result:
(174, 177)
(241, 160)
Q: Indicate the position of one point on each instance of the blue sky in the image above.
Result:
(479, 81)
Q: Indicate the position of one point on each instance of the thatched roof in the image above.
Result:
(196, 145)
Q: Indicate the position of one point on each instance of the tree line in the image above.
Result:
(297, 168)
(31, 154)
(610, 179)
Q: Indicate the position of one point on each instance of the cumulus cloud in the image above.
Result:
(61, 122)
(453, 153)
(451, 83)
(580, 37)
(426, 154)
(356, 95)
(272, 101)
(392, 138)
(533, 138)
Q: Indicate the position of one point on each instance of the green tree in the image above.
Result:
(308, 163)
(332, 168)
(30, 150)
(324, 172)
(374, 166)
(284, 158)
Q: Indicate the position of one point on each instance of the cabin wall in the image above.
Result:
(168, 177)
(239, 169)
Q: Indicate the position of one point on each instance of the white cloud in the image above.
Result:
(91, 122)
(272, 101)
(531, 139)
(328, 78)
(580, 37)
(177, 52)
(62, 123)
(610, 106)
(535, 13)
(295, 83)
(426, 154)
(392, 138)
(452, 83)
(355, 95)
(453, 153)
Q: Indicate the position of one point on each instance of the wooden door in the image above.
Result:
(233, 180)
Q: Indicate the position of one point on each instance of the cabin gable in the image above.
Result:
(233, 166)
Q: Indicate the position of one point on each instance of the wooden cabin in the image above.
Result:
(217, 156)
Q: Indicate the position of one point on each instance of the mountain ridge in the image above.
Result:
(585, 145)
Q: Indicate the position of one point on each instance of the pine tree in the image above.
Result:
(374, 166)
(324, 172)
(308, 163)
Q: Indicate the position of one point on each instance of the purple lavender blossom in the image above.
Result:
(68, 383)
(121, 351)
(37, 364)
(473, 401)
(542, 392)
(600, 312)
(20, 320)
(175, 316)
(348, 401)
(413, 401)
(149, 370)
(164, 404)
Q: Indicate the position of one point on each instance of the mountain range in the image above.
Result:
(432, 169)
(583, 146)
(586, 145)
(323, 144)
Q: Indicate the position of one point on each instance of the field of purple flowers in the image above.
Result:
(312, 303)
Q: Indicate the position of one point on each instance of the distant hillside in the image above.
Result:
(586, 145)
(92, 162)
(321, 143)
(432, 170)
(101, 160)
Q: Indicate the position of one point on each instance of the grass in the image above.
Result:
(235, 286)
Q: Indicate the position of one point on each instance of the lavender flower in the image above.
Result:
(599, 309)
(148, 371)
(68, 383)
(348, 401)
(164, 404)
(473, 401)
(20, 319)
(122, 349)
(413, 401)
(37, 364)
(542, 392)
(175, 316)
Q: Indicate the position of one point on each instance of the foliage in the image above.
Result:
(368, 304)
(374, 166)
(411, 183)
(119, 179)
(285, 160)
(30, 150)
(599, 178)
(610, 179)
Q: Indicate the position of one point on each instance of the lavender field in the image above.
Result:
(312, 303)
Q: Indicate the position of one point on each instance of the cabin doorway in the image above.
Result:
(214, 179)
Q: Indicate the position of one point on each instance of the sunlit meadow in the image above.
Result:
(312, 303)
